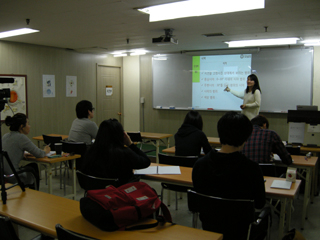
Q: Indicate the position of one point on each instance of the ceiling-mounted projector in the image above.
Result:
(165, 39)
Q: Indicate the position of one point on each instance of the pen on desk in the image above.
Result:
(305, 158)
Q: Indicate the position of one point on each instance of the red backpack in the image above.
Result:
(113, 208)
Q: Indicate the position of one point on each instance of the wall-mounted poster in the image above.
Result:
(49, 86)
(17, 102)
(71, 86)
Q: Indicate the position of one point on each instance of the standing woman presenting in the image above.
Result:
(251, 97)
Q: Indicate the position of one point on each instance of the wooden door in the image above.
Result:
(108, 93)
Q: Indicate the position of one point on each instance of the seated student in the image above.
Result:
(228, 173)
(190, 139)
(263, 143)
(82, 129)
(108, 157)
(15, 143)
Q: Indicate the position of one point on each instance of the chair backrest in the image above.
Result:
(7, 231)
(65, 234)
(52, 140)
(268, 169)
(135, 136)
(74, 148)
(231, 217)
(88, 182)
(185, 161)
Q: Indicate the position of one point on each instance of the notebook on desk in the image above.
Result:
(281, 184)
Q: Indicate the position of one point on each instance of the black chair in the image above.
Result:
(75, 148)
(7, 231)
(185, 161)
(136, 137)
(234, 218)
(65, 234)
(32, 186)
(51, 140)
(88, 182)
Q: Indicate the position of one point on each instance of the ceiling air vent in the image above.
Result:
(213, 34)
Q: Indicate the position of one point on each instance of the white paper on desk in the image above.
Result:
(169, 170)
(51, 153)
(296, 132)
(281, 184)
(149, 170)
(276, 157)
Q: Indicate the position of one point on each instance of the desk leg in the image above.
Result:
(282, 218)
(306, 198)
(49, 176)
(157, 150)
(168, 142)
(74, 177)
(289, 208)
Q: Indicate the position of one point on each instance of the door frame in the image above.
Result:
(121, 87)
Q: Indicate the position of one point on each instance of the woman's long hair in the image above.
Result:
(194, 118)
(256, 85)
(108, 146)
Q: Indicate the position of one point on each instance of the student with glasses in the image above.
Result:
(82, 128)
(113, 155)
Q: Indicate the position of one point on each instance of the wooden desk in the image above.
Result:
(48, 163)
(285, 196)
(40, 138)
(157, 137)
(309, 167)
(42, 211)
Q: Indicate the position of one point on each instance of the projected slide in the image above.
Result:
(212, 74)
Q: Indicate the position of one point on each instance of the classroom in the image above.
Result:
(34, 59)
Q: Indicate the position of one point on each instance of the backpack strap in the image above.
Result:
(142, 226)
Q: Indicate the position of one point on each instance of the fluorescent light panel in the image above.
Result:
(193, 8)
(263, 42)
(17, 32)
(120, 55)
(314, 42)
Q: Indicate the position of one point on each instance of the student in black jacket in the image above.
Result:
(190, 139)
(113, 155)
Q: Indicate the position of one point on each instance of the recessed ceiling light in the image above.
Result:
(195, 8)
(263, 42)
(17, 32)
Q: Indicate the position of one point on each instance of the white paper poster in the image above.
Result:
(49, 88)
(296, 132)
(109, 90)
(71, 86)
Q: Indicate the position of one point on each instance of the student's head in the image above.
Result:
(19, 122)
(84, 109)
(110, 134)
(194, 118)
(260, 121)
(234, 129)
(253, 79)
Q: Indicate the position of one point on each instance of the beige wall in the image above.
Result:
(52, 115)
(55, 115)
(131, 93)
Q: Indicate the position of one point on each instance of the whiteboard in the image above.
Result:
(285, 77)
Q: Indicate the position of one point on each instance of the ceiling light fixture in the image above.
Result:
(314, 42)
(121, 55)
(195, 8)
(263, 42)
(136, 53)
(17, 32)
